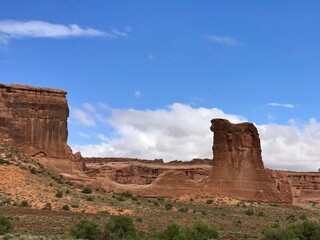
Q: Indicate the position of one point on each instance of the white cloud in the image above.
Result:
(81, 117)
(224, 40)
(137, 94)
(84, 135)
(10, 29)
(291, 147)
(182, 132)
(176, 132)
(89, 107)
(285, 105)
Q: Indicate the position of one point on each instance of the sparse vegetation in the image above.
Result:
(59, 194)
(5, 225)
(86, 229)
(66, 207)
(86, 190)
(24, 203)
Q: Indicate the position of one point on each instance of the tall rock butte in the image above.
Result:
(238, 169)
(35, 120)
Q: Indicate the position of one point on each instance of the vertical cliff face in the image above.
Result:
(238, 168)
(236, 145)
(35, 120)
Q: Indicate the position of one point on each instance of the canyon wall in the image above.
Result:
(35, 120)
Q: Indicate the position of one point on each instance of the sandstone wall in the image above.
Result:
(34, 120)
(238, 168)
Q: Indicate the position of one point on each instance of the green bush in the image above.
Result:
(2, 161)
(5, 225)
(90, 198)
(249, 212)
(59, 194)
(168, 206)
(210, 201)
(119, 227)
(305, 231)
(202, 231)
(24, 203)
(48, 206)
(86, 229)
(87, 190)
(65, 207)
(127, 194)
(199, 231)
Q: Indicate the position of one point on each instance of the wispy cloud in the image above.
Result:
(151, 56)
(89, 107)
(82, 117)
(224, 40)
(137, 94)
(285, 105)
(11, 29)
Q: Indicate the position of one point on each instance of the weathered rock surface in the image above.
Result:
(143, 172)
(238, 169)
(35, 120)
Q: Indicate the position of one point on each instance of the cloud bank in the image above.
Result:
(182, 132)
(11, 29)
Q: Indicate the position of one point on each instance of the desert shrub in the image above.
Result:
(120, 198)
(86, 229)
(261, 214)
(168, 206)
(202, 231)
(183, 209)
(199, 231)
(119, 227)
(48, 206)
(24, 203)
(59, 194)
(126, 194)
(65, 207)
(75, 205)
(156, 203)
(160, 199)
(210, 201)
(139, 219)
(67, 191)
(291, 218)
(305, 231)
(86, 190)
(173, 231)
(33, 170)
(5, 225)
(249, 212)
(2, 161)
(90, 198)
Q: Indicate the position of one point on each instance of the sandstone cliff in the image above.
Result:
(34, 120)
(238, 169)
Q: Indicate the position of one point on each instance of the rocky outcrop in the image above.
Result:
(236, 145)
(307, 184)
(238, 169)
(35, 120)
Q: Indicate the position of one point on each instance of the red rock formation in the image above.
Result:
(238, 169)
(236, 145)
(35, 120)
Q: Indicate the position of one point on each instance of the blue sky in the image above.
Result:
(144, 78)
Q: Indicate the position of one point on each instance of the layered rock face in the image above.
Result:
(238, 168)
(236, 145)
(35, 120)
